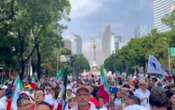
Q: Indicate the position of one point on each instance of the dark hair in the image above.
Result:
(21, 98)
(130, 92)
(56, 91)
(9, 92)
(154, 79)
(126, 85)
(45, 103)
(158, 98)
(135, 99)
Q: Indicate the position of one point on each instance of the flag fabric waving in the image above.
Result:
(154, 66)
(34, 77)
(59, 75)
(104, 80)
(102, 93)
(18, 90)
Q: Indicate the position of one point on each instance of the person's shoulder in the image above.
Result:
(104, 108)
(148, 92)
(135, 107)
(137, 91)
(92, 106)
(32, 107)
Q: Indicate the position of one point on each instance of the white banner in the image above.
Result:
(154, 66)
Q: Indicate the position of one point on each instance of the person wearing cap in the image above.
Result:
(24, 102)
(143, 94)
(83, 96)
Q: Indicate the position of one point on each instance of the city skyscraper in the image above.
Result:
(74, 43)
(161, 8)
(67, 44)
(115, 42)
(106, 42)
(142, 31)
(110, 42)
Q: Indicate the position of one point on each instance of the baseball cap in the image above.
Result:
(83, 87)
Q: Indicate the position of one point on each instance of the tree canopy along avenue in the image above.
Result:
(31, 30)
(136, 52)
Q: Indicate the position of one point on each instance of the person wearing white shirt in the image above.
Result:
(143, 94)
(3, 99)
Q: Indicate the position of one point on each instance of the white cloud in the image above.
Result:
(81, 8)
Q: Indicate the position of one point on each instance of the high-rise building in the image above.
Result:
(76, 44)
(161, 8)
(110, 42)
(142, 31)
(67, 44)
(115, 42)
(106, 42)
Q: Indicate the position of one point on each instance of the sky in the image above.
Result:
(89, 18)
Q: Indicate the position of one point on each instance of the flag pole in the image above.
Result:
(169, 60)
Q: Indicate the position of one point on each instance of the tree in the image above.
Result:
(29, 21)
(79, 63)
(8, 54)
(136, 52)
(169, 20)
(8, 43)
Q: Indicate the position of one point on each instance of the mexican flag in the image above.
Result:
(59, 75)
(18, 90)
(34, 77)
(104, 80)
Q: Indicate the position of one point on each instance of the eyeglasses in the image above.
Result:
(39, 94)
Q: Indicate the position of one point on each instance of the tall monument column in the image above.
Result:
(94, 67)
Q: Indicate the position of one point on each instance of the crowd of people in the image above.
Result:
(88, 93)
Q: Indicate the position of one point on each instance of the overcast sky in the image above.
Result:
(89, 18)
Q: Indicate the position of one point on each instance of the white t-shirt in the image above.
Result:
(50, 100)
(3, 102)
(143, 95)
(118, 103)
(135, 107)
(103, 108)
